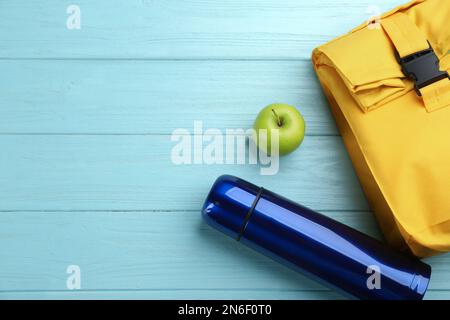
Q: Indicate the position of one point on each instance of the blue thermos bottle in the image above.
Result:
(312, 243)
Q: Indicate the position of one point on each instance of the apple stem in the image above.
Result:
(278, 118)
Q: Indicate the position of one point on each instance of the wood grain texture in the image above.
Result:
(259, 294)
(190, 294)
(152, 253)
(86, 115)
(153, 97)
(138, 250)
(162, 29)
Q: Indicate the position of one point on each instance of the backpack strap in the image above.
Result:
(418, 60)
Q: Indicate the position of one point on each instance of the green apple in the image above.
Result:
(289, 123)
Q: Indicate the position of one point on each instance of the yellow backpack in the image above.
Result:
(389, 91)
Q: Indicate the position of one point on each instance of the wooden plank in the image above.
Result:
(194, 294)
(101, 159)
(188, 294)
(163, 252)
(123, 172)
(285, 29)
(153, 97)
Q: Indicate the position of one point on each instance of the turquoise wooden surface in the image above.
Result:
(85, 123)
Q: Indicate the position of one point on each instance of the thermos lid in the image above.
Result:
(229, 204)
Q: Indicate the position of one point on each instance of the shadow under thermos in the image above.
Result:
(318, 246)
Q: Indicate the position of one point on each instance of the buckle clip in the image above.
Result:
(422, 67)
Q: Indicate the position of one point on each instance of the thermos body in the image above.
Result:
(312, 243)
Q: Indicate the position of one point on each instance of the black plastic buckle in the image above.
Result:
(422, 67)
